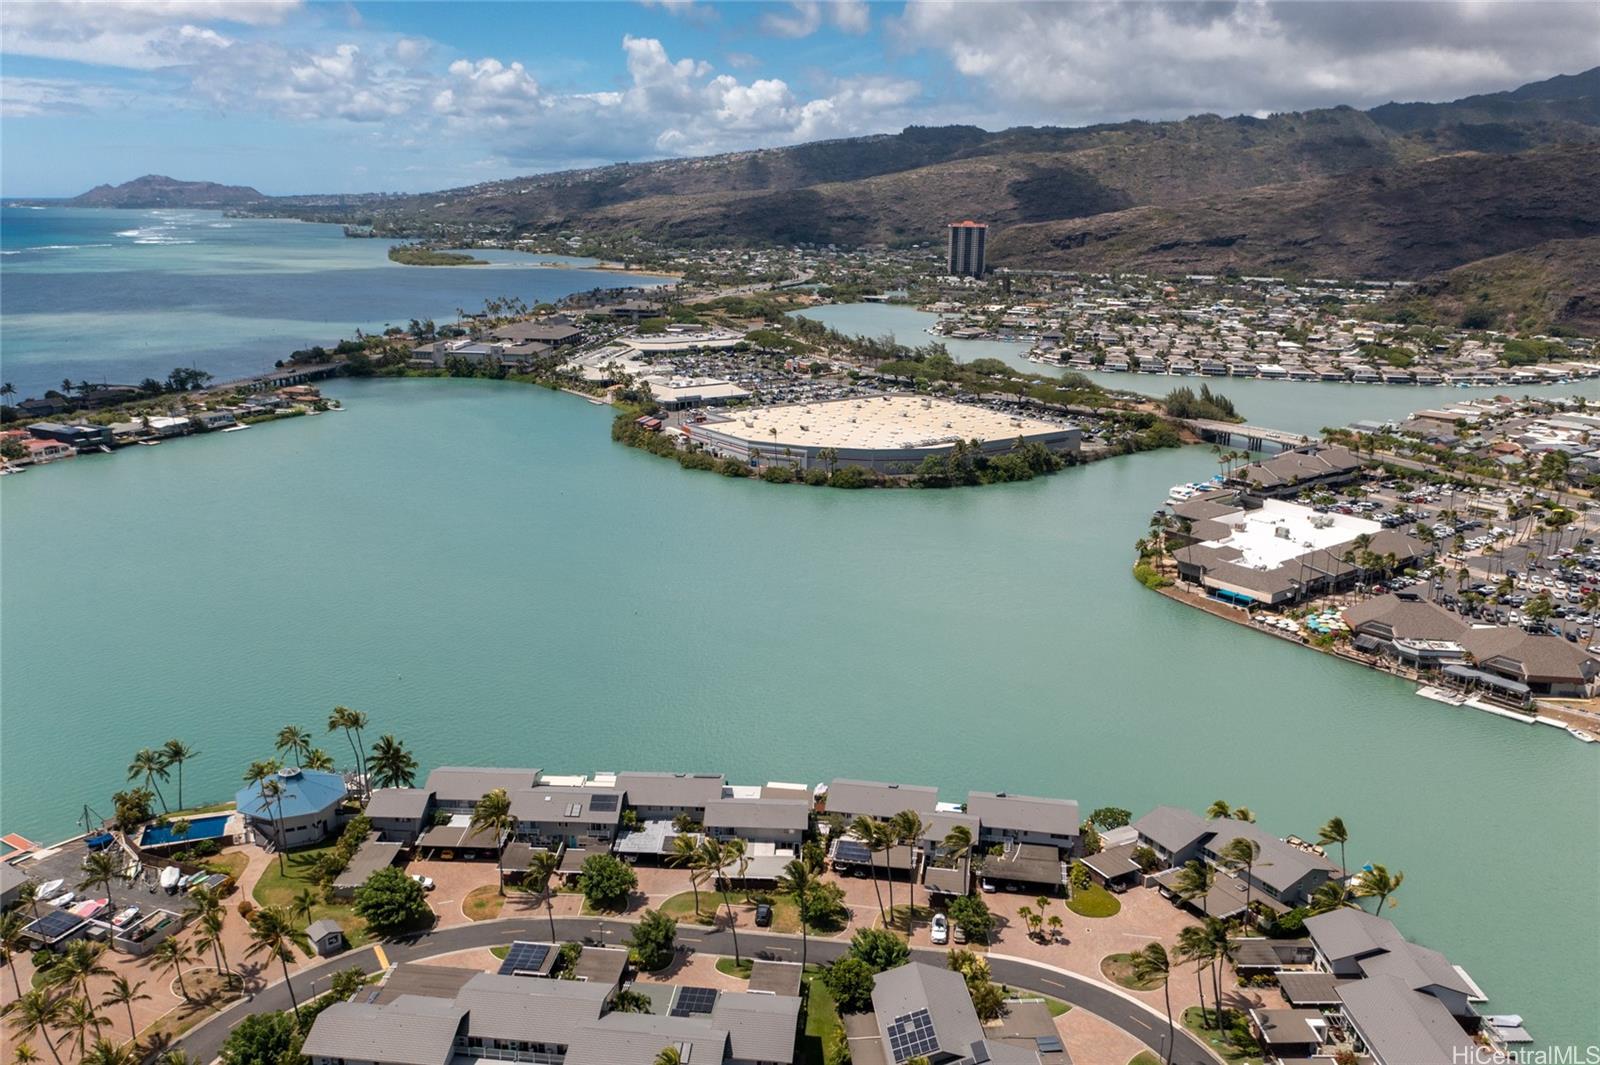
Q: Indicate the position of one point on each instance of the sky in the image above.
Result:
(292, 96)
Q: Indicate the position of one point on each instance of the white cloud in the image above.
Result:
(802, 18)
(136, 35)
(691, 10)
(487, 91)
(45, 97)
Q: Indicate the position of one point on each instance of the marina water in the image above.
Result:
(477, 566)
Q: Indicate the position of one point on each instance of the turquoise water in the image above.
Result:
(199, 828)
(1298, 406)
(479, 568)
(116, 296)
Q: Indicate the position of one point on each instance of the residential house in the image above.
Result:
(567, 816)
(1006, 818)
(870, 798)
(667, 796)
(400, 815)
(925, 1012)
(305, 810)
(1174, 833)
(458, 788)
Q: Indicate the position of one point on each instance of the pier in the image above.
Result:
(1249, 437)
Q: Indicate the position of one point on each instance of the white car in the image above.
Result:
(940, 931)
(987, 886)
(425, 881)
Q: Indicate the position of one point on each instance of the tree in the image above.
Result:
(798, 880)
(100, 869)
(392, 766)
(1194, 946)
(670, 1055)
(987, 999)
(719, 855)
(274, 935)
(1194, 882)
(80, 1017)
(606, 882)
(172, 953)
(1106, 818)
(1331, 895)
(390, 901)
(1242, 851)
(1146, 859)
(131, 808)
(908, 828)
(271, 1038)
(1149, 964)
(319, 759)
(24, 1053)
(105, 1052)
(149, 764)
(79, 964)
(346, 983)
(175, 753)
(294, 740)
(687, 853)
(34, 1013)
(493, 814)
(1335, 832)
(1089, 840)
(124, 993)
(850, 981)
(1378, 883)
(303, 903)
(542, 868)
(971, 914)
(653, 940)
(871, 835)
(879, 948)
(342, 717)
(12, 943)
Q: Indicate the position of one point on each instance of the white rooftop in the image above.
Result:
(1280, 531)
(879, 423)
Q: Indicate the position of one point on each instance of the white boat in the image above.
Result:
(235, 428)
(1580, 734)
(124, 916)
(169, 879)
(49, 889)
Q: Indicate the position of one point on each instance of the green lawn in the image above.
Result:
(191, 811)
(501, 952)
(785, 912)
(277, 888)
(1217, 1041)
(1094, 901)
(1119, 969)
(1145, 1057)
(1057, 1007)
(822, 1021)
(741, 969)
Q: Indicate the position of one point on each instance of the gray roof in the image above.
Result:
(1114, 862)
(1389, 616)
(455, 784)
(775, 977)
(876, 799)
(1380, 950)
(399, 803)
(1401, 1026)
(759, 1027)
(1172, 827)
(411, 1030)
(553, 804)
(915, 986)
(371, 856)
(1279, 1027)
(318, 929)
(1024, 813)
(11, 878)
(636, 1039)
(1309, 988)
(601, 965)
(539, 1011)
(758, 814)
(1280, 865)
(671, 789)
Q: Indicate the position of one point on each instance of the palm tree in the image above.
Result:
(868, 832)
(909, 829)
(1242, 851)
(1335, 832)
(1378, 883)
(1219, 809)
(292, 739)
(358, 721)
(79, 964)
(272, 933)
(175, 753)
(342, 717)
(392, 766)
(687, 853)
(493, 812)
(105, 1052)
(23, 1053)
(797, 880)
(124, 993)
(11, 942)
(1194, 882)
(1148, 964)
(150, 765)
(272, 790)
(99, 870)
(542, 868)
(957, 843)
(731, 852)
(79, 1016)
(209, 937)
(34, 1013)
(305, 900)
(669, 1056)
(29, 897)
(317, 758)
(173, 954)
(1331, 895)
(1221, 953)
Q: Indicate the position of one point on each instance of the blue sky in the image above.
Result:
(296, 96)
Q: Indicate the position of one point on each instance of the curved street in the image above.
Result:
(1144, 1024)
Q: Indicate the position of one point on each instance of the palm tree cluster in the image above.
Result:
(156, 764)
(62, 1002)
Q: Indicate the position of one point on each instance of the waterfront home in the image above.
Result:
(871, 798)
(921, 1011)
(1005, 818)
(41, 451)
(305, 810)
(81, 437)
(446, 1018)
(399, 814)
(1174, 833)
(12, 881)
(372, 855)
(665, 796)
(209, 420)
(556, 816)
(780, 822)
(458, 788)
(1283, 876)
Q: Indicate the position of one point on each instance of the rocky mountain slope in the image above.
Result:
(154, 190)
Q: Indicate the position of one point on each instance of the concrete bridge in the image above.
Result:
(1249, 437)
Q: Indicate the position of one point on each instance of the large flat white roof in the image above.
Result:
(1280, 531)
(878, 423)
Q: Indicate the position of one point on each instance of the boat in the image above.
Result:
(49, 889)
(235, 428)
(124, 916)
(1579, 734)
(89, 907)
(169, 879)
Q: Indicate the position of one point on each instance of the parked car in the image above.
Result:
(425, 881)
(958, 934)
(987, 886)
(940, 931)
(763, 915)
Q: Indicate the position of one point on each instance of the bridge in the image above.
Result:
(1249, 437)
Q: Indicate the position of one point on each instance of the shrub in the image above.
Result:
(1146, 859)
(653, 939)
(263, 1039)
(879, 948)
(696, 460)
(246, 908)
(733, 468)
(778, 475)
(606, 881)
(850, 981)
(1149, 576)
(816, 476)
(853, 477)
(390, 900)
(1109, 817)
(971, 915)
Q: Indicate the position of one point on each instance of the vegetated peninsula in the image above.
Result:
(155, 190)
(414, 255)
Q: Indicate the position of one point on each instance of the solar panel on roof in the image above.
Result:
(605, 803)
(1048, 1044)
(53, 926)
(912, 1036)
(851, 850)
(692, 1000)
(524, 958)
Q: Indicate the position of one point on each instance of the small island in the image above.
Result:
(412, 255)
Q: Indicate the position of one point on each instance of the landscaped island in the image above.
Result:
(412, 255)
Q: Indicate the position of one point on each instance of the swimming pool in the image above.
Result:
(208, 827)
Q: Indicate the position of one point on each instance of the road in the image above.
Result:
(1143, 1023)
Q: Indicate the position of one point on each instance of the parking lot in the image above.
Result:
(65, 864)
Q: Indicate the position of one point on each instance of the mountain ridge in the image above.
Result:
(158, 190)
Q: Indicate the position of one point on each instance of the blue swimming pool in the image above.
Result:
(208, 827)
